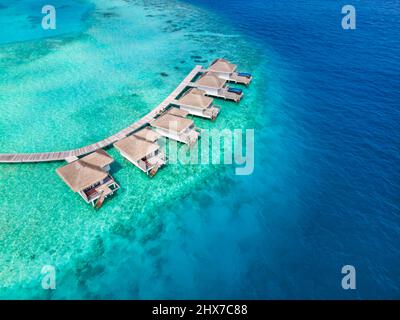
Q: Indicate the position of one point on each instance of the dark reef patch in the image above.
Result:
(109, 15)
(34, 19)
(85, 271)
(123, 230)
(26, 52)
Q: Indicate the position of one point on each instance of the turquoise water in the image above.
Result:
(325, 188)
(21, 20)
(76, 88)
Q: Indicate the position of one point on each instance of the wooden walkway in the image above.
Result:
(63, 155)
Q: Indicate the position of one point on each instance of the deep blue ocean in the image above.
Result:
(339, 181)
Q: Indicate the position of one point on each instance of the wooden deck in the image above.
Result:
(226, 95)
(63, 155)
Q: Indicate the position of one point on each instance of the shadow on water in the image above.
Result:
(115, 167)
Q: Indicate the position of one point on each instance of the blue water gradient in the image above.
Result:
(339, 150)
(326, 187)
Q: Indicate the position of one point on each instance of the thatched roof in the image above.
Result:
(222, 65)
(210, 80)
(177, 112)
(172, 123)
(85, 172)
(195, 98)
(100, 158)
(147, 134)
(136, 148)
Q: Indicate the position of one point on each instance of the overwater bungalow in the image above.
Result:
(147, 134)
(195, 102)
(216, 87)
(176, 127)
(226, 70)
(90, 177)
(177, 112)
(143, 151)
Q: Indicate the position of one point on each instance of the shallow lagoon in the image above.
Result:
(325, 188)
(74, 89)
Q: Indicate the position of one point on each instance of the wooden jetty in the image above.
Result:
(72, 154)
